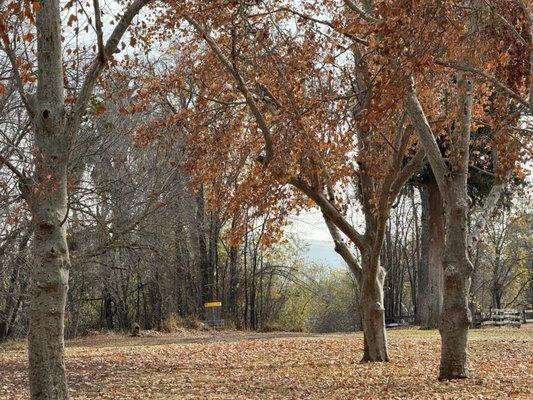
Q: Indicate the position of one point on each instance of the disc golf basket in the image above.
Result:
(213, 314)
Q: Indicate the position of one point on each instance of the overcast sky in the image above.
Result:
(309, 225)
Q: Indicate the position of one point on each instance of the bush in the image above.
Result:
(176, 323)
(172, 323)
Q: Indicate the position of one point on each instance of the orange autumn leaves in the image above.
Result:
(260, 366)
(318, 85)
(14, 13)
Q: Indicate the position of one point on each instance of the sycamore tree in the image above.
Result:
(313, 98)
(486, 33)
(48, 44)
(290, 105)
(296, 106)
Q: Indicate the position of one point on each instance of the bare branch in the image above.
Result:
(99, 34)
(413, 165)
(332, 213)
(18, 79)
(363, 14)
(490, 204)
(13, 169)
(98, 63)
(480, 170)
(342, 249)
(326, 23)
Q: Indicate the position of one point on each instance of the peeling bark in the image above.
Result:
(452, 181)
(373, 315)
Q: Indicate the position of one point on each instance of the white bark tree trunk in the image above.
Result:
(373, 312)
(452, 181)
(46, 193)
(47, 198)
(455, 319)
(48, 297)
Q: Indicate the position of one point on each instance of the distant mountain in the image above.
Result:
(323, 252)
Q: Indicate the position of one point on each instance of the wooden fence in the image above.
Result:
(504, 316)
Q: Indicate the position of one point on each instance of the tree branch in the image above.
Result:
(13, 169)
(342, 249)
(425, 134)
(354, 7)
(260, 120)
(509, 26)
(489, 206)
(332, 213)
(529, 19)
(488, 77)
(324, 22)
(406, 172)
(99, 63)
(18, 80)
(99, 34)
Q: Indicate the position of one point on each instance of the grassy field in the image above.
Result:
(281, 366)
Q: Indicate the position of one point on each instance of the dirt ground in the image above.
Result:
(244, 365)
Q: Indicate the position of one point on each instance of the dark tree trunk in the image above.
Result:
(106, 313)
(18, 304)
(233, 280)
(455, 319)
(430, 285)
(11, 307)
(496, 297)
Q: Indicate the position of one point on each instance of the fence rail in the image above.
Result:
(504, 316)
(528, 316)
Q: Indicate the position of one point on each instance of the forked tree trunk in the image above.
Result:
(455, 318)
(452, 177)
(452, 180)
(371, 303)
(373, 312)
(457, 266)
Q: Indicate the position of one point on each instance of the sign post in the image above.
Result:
(213, 313)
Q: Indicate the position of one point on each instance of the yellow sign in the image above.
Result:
(213, 304)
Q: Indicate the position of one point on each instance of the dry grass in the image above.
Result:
(272, 366)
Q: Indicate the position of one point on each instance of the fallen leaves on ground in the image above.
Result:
(266, 366)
